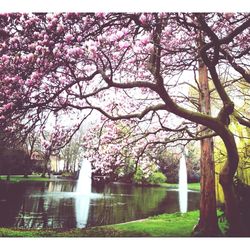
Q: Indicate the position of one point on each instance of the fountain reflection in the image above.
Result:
(83, 194)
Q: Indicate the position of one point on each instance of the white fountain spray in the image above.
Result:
(83, 194)
(183, 187)
(84, 180)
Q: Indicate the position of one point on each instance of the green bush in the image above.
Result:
(157, 178)
(138, 176)
(154, 178)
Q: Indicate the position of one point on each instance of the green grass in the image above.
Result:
(19, 178)
(191, 186)
(165, 225)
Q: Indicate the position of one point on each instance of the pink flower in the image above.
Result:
(60, 28)
(79, 38)
(149, 47)
(29, 82)
(125, 31)
(124, 44)
(143, 19)
(119, 34)
(116, 55)
(145, 39)
(113, 38)
(167, 31)
(57, 52)
(68, 38)
(5, 58)
(75, 52)
(100, 15)
(8, 106)
(30, 57)
(46, 37)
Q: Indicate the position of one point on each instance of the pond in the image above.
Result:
(55, 204)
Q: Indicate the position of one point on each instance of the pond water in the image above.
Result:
(55, 204)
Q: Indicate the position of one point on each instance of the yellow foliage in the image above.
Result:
(242, 135)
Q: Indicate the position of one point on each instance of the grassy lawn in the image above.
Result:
(165, 225)
(18, 178)
(191, 186)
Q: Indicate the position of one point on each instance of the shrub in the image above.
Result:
(138, 177)
(154, 178)
(157, 178)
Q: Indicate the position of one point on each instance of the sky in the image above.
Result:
(127, 5)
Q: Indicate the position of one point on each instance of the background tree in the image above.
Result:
(72, 152)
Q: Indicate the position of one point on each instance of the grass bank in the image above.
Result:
(191, 186)
(165, 225)
(20, 178)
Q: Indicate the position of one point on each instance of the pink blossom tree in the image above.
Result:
(127, 66)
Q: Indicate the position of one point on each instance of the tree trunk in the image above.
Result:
(45, 168)
(208, 222)
(226, 180)
(26, 166)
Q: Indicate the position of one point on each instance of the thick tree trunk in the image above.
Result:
(26, 166)
(226, 180)
(208, 222)
(45, 168)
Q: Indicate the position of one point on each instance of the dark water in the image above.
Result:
(54, 204)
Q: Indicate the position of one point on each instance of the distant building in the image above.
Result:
(56, 163)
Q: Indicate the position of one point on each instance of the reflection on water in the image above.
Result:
(55, 204)
(82, 210)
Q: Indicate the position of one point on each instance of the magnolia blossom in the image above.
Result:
(144, 40)
(149, 47)
(60, 28)
(143, 19)
(7, 106)
(120, 34)
(113, 38)
(124, 44)
(68, 38)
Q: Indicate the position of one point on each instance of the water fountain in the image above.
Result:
(84, 180)
(183, 187)
(83, 194)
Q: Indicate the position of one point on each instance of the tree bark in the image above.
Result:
(45, 169)
(226, 180)
(208, 222)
